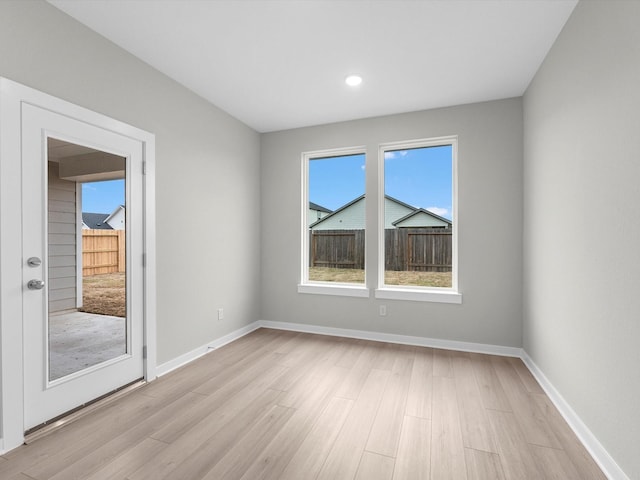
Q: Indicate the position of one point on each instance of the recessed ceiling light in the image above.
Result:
(353, 80)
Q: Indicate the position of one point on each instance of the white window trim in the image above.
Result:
(415, 293)
(323, 288)
(333, 288)
(419, 294)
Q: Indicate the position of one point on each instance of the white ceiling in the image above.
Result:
(280, 64)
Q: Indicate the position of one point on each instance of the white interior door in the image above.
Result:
(48, 390)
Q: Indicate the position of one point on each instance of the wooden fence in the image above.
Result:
(418, 249)
(406, 249)
(337, 248)
(103, 251)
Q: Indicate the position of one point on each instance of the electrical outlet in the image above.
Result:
(220, 313)
(383, 310)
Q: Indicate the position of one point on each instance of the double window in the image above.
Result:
(416, 221)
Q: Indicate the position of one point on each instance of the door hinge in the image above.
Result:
(144, 352)
(144, 168)
(144, 260)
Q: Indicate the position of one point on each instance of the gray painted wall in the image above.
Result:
(490, 215)
(204, 157)
(582, 150)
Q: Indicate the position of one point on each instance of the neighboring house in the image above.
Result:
(397, 215)
(347, 217)
(117, 218)
(95, 221)
(105, 221)
(316, 212)
(422, 218)
(395, 209)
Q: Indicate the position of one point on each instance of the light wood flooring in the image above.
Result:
(284, 405)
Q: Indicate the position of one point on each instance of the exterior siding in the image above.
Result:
(393, 211)
(422, 219)
(315, 215)
(62, 260)
(351, 218)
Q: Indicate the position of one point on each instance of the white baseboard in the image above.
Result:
(208, 347)
(609, 467)
(393, 338)
(336, 332)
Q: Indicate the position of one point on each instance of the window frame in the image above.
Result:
(317, 287)
(407, 292)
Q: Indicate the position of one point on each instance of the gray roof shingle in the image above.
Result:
(96, 221)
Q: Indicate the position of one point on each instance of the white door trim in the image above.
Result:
(79, 282)
(12, 95)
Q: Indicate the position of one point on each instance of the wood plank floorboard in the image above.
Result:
(483, 465)
(108, 451)
(421, 384)
(578, 454)
(385, 431)
(491, 391)
(534, 425)
(206, 442)
(273, 459)
(344, 458)
(375, 467)
(241, 456)
(129, 461)
(413, 460)
(308, 459)
(283, 405)
(447, 446)
(358, 373)
(554, 464)
(442, 365)
(516, 456)
(476, 429)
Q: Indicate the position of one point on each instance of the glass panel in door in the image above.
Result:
(87, 287)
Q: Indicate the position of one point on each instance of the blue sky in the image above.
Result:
(337, 180)
(102, 197)
(421, 177)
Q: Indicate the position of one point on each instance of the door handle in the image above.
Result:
(35, 284)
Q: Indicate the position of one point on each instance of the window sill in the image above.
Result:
(340, 289)
(419, 295)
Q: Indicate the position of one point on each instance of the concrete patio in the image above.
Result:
(79, 340)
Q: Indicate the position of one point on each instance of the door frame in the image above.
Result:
(12, 96)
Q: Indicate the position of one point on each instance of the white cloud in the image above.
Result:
(438, 210)
(394, 154)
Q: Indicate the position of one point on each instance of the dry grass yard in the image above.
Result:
(350, 275)
(342, 275)
(421, 279)
(105, 294)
